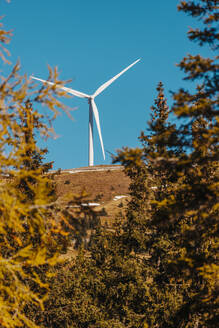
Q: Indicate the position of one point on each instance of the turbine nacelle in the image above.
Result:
(93, 111)
(90, 99)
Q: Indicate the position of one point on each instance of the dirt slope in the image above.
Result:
(101, 185)
(107, 187)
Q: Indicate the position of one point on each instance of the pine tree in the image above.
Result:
(150, 181)
(30, 225)
(32, 157)
(103, 288)
(145, 226)
(195, 203)
(183, 220)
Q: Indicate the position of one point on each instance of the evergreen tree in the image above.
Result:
(30, 226)
(183, 220)
(195, 203)
(31, 156)
(157, 183)
(149, 181)
(103, 288)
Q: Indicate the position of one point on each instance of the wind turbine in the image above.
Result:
(93, 111)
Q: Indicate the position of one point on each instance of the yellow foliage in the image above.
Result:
(26, 217)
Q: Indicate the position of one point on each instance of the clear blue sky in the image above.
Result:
(90, 41)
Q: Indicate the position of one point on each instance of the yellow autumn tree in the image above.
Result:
(31, 224)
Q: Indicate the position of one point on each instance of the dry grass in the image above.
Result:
(101, 186)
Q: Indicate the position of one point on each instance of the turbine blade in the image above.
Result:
(96, 115)
(73, 92)
(106, 84)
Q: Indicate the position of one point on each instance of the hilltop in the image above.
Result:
(107, 186)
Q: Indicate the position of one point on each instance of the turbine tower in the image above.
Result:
(93, 111)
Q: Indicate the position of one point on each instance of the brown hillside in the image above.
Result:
(102, 183)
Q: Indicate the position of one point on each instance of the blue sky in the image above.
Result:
(90, 42)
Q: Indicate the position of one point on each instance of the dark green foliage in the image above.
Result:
(180, 225)
(154, 182)
(195, 204)
(105, 288)
(182, 218)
